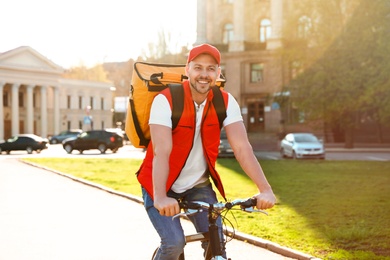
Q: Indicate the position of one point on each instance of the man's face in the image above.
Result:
(202, 72)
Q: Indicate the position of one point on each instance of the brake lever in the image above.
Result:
(187, 213)
(252, 210)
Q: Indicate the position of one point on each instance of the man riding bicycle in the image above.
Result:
(180, 163)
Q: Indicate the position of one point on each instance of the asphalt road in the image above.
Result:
(46, 216)
(128, 151)
(56, 150)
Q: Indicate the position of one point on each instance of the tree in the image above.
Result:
(349, 77)
(96, 73)
(165, 50)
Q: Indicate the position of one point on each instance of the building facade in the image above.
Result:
(37, 99)
(248, 34)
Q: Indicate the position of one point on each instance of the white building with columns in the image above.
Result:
(37, 99)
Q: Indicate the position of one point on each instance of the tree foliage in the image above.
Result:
(346, 61)
(95, 73)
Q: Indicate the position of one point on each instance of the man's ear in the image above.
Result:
(186, 69)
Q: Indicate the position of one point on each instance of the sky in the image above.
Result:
(87, 32)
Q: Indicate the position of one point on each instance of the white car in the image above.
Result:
(302, 145)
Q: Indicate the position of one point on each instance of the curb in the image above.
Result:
(357, 150)
(271, 246)
(256, 241)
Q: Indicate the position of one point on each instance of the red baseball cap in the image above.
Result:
(204, 49)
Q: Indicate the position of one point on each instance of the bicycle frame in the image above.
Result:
(214, 249)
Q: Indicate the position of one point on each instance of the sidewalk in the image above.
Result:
(45, 216)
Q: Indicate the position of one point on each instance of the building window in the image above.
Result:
(5, 99)
(80, 102)
(80, 124)
(68, 125)
(91, 102)
(296, 69)
(265, 30)
(34, 102)
(21, 99)
(227, 33)
(257, 72)
(68, 102)
(102, 103)
(304, 26)
(103, 125)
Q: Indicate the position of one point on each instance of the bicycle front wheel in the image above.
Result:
(181, 257)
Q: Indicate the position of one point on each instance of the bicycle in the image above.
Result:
(214, 249)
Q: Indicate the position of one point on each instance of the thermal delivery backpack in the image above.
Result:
(147, 81)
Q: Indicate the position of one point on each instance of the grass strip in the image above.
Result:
(329, 209)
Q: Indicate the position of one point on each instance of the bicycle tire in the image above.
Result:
(181, 257)
(154, 253)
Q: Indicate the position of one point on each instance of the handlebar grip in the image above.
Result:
(254, 201)
(188, 205)
(248, 203)
(251, 202)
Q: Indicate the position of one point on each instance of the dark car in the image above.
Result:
(302, 145)
(94, 139)
(28, 142)
(225, 150)
(57, 139)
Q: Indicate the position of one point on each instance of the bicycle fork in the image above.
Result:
(215, 241)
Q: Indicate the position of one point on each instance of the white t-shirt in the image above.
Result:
(194, 170)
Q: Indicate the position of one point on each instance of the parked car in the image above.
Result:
(94, 139)
(57, 139)
(302, 145)
(28, 142)
(120, 132)
(225, 150)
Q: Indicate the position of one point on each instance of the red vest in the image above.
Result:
(182, 142)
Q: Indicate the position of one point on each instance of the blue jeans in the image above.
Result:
(171, 231)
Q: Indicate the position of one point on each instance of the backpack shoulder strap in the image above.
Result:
(177, 93)
(219, 105)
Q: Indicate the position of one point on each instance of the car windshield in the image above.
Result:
(305, 139)
(12, 139)
(84, 135)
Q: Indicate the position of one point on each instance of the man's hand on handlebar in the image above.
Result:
(167, 206)
(265, 200)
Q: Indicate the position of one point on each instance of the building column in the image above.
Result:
(57, 119)
(275, 41)
(238, 43)
(30, 110)
(15, 109)
(2, 84)
(201, 22)
(43, 111)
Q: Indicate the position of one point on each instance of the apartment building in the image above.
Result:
(248, 34)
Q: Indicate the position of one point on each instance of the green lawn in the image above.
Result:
(329, 209)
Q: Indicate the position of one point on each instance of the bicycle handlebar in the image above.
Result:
(193, 207)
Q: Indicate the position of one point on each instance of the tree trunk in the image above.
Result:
(349, 138)
(379, 132)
